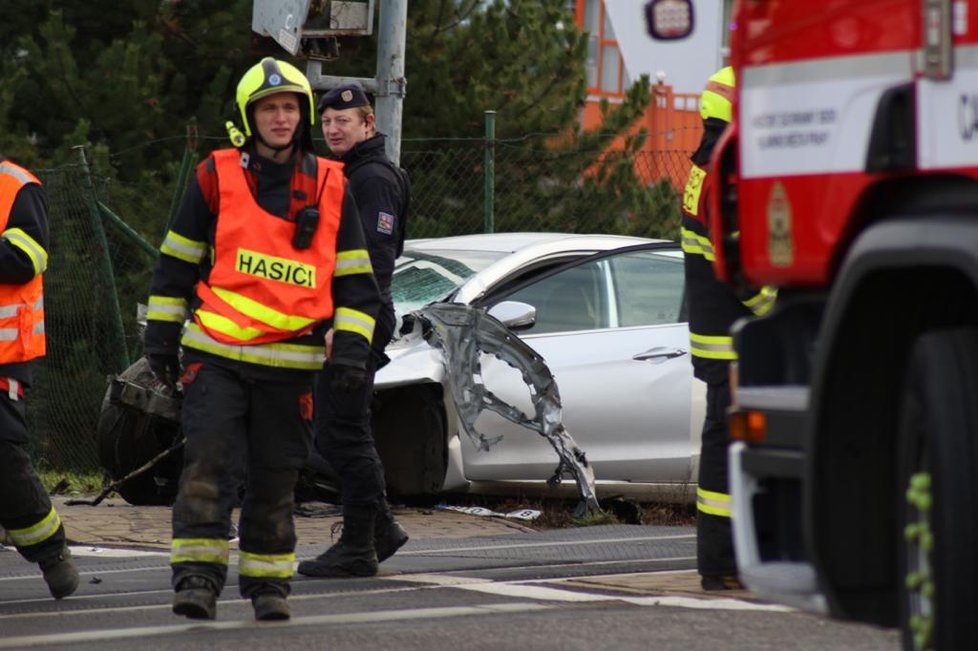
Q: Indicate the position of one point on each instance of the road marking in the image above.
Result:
(568, 543)
(527, 589)
(115, 552)
(317, 620)
(530, 589)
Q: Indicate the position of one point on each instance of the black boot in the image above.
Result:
(270, 606)
(354, 554)
(60, 574)
(196, 598)
(389, 535)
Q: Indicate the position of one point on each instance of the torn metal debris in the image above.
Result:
(462, 333)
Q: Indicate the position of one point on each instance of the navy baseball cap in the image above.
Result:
(343, 97)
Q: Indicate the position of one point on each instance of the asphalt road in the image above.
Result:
(609, 587)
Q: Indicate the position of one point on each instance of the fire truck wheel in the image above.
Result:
(937, 490)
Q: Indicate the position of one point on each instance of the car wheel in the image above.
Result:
(127, 438)
(409, 429)
(938, 467)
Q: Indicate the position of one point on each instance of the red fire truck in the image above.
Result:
(848, 179)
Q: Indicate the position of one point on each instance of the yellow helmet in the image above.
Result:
(267, 77)
(716, 100)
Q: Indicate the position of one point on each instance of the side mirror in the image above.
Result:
(668, 20)
(514, 314)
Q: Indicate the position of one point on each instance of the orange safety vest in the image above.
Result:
(21, 306)
(261, 288)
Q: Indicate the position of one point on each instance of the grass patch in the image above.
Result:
(75, 484)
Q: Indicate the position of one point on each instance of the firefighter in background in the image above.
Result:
(342, 432)
(713, 308)
(25, 507)
(265, 253)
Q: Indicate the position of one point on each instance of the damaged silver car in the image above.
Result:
(604, 312)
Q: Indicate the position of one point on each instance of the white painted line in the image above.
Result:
(113, 552)
(230, 595)
(706, 604)
(514, 589)
(569, 543)
(437, 579)
(543, 593)
(318, 620)
(536, 592)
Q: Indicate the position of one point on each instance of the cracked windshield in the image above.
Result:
(422, 278)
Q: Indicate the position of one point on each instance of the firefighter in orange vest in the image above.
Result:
(25, 507)
(265, 253)
(713, 308)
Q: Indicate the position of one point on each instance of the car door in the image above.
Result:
(611, 330)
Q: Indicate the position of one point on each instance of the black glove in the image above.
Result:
(165, 367)
(346, 378)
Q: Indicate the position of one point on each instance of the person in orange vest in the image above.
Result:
(26, 512)
(264, 255)
(713, 308)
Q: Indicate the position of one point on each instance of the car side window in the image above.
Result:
(648, 288)
(574, 299)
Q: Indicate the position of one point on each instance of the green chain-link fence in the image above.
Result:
(100, 267)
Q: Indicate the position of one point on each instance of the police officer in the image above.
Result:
(381, 190)
(264, 254)
(713, 308)
(25, 507)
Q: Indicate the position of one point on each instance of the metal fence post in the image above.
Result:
(189, 154)
(490, 172)
(112, 301)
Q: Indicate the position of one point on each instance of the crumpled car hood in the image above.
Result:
(413, 360)
(454, 335)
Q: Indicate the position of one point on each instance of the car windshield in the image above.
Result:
(424, 277)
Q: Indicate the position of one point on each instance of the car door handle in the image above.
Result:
(659, 352)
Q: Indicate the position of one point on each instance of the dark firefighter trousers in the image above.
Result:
(344, 438)
(235, 416)
(714, 541)
(25, 508)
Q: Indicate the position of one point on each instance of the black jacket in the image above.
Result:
(381, 191)
(714, 306)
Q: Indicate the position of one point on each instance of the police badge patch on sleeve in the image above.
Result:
(385, 223)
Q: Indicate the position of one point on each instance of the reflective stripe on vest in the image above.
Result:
(296, 356)
(21, 306)
(38, 532)
(266, 566)
(713, 503)
(199, 550)
(261, 289)
(271, 318)
(712, 346)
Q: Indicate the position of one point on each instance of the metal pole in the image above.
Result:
(128, 231)
(391, 84)
(490, 172)
(189, 154)
(112, 301)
